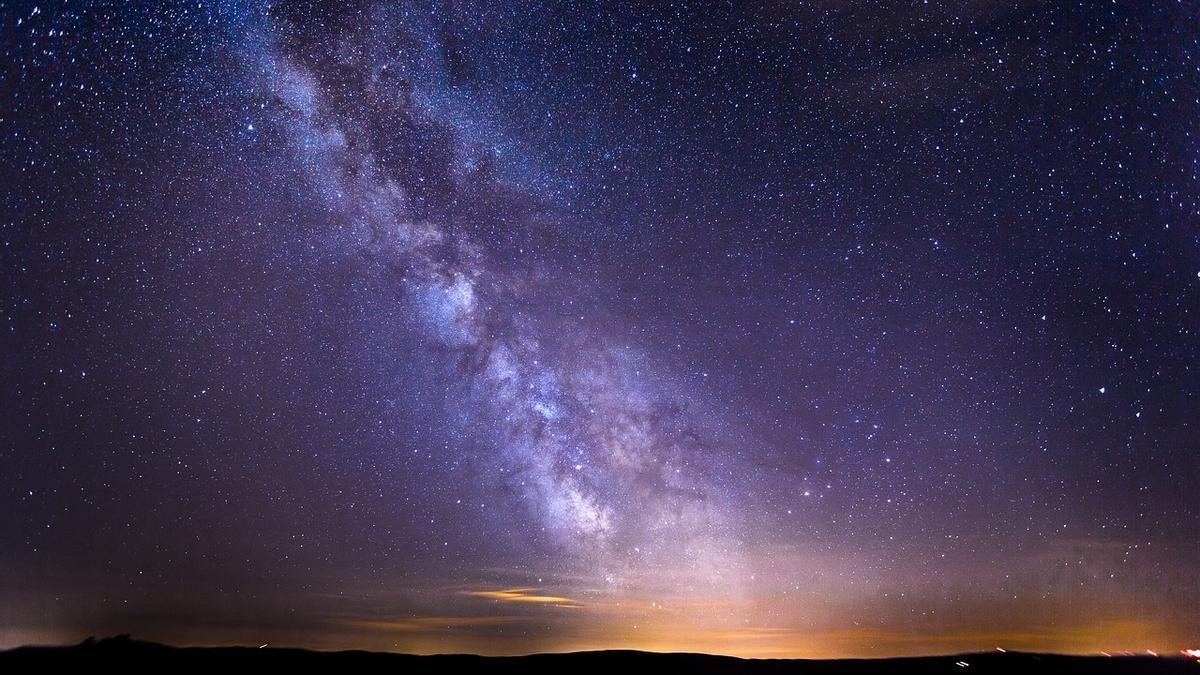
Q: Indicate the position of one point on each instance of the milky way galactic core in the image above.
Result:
(769, 329)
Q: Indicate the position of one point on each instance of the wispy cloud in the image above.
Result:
(423, 624)
(525, 595)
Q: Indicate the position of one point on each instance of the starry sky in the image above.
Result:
(772, 328)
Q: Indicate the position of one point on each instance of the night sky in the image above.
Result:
(815, 328)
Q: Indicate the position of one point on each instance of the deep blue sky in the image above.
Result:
(761, 328)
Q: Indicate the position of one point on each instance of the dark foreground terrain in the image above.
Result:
(122, 654)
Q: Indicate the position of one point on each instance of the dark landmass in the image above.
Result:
(122, 653)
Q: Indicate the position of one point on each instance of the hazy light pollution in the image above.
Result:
(768, 329)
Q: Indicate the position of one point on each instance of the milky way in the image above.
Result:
(611, 460)
(769, 330)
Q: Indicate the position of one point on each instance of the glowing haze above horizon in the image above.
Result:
(767, 329)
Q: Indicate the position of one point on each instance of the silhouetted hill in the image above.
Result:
(122, 654)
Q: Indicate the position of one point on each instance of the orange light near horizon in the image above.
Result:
(524, 595)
